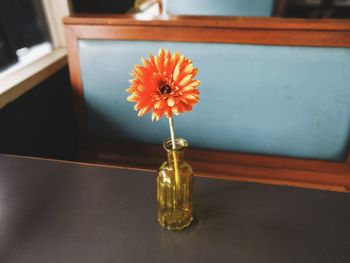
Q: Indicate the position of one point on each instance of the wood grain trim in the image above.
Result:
(114, 165)
(77, 85)
(261, 31)
(262, 23)
(215, 35)
(314, 174)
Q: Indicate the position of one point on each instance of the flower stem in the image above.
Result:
(176, 167)
(172, 133)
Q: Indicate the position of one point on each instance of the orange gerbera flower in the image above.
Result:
(164, 84)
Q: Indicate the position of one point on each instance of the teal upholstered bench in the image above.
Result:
(290, 101)
(280, 98)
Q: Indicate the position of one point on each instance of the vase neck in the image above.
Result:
(178, 153)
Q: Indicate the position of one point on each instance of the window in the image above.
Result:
(32, 44)
(24, 34)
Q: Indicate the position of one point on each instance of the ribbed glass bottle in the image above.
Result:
(175, 188)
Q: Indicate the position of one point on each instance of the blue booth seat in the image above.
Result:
(221, 7)
(277, 100)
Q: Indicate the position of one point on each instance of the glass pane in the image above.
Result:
(24, 35)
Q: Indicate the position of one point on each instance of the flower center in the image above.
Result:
(165, 89)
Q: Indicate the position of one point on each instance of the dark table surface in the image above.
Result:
(63, 212)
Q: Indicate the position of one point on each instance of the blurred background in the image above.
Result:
(23, 28)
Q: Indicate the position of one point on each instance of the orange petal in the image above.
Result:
(145, 109)
(188, 69)
(188, 107)
(196, 91)
(131, 89)
(167, 54)
(190, 96)
(133, 98)
(176, 72)
(157, 114)
(174, 58)
(181, 60)
(168, 112)
(151, 59)
(194, 83)
(175, 110)
(148, 65)
(181, 107)
(170, 101)
(161, 53)
(159, 64)
(185, 80)
(143, 103)
(139, 71)
(188, 88)
(160, 104)
(166, 64)
(194, 72)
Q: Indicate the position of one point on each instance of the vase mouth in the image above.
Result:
(181, 144)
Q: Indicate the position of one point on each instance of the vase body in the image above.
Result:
(175, 188)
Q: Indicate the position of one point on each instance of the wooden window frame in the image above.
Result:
(24, 79)
(325, 175)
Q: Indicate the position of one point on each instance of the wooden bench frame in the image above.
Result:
(315, 174)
